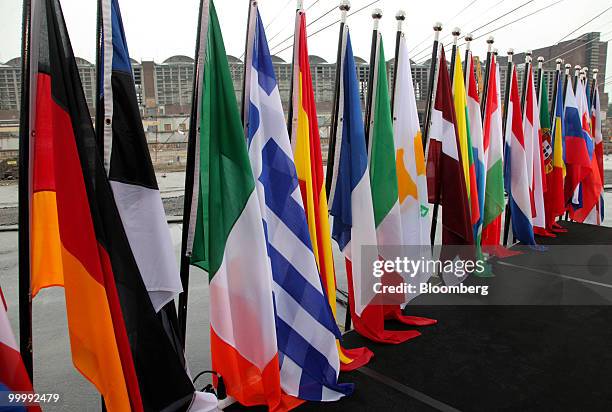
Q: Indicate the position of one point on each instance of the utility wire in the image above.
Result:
(582, 25)
(579, 46)
(308, 25)
(331, 24)
(426, 49)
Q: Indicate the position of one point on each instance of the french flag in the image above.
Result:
(13, 375)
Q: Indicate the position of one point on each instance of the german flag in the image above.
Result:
(309, 166)
(78, 241)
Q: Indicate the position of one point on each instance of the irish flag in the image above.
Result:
(309, 167)
(493, 148)
(228, 238)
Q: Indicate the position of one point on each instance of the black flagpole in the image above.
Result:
(593, 86)
(331, 150)
(189, 181)
(485, 88)
(525, 81)
(291, 116)
(554, 98)
(376, 16)
(509, 72)
(576, 77)
(433, 71)
(248, 60)
(540, 80)
(468, 42)
(456, 32)
(400, 16)
(432, 82)
(25, 294)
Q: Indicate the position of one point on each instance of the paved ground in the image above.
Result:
(53, 368)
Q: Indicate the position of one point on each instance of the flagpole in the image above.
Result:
(433, 71)
(554, 99)
(509, 72)
(376, 16)
(344, 7)
(468, 42)
(400, 16)
(485, 89)
(540, 79)
(291, 116)
(248, 60)
(566, 75)
(593, 86)
(576, 77)
(456, 32)
(525, 81)
(189, 183)
(432, 82)
(25, 292)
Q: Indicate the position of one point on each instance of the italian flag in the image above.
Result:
(228, 237)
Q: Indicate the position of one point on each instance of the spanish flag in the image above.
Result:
(309, 166)
(77, 239)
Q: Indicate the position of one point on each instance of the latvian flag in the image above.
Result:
(13, 375)
(78, 240)
(445, 178)
(516, 176)
(305, 326)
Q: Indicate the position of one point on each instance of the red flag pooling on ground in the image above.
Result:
(13, 375)
(78, 241)
(445, 178)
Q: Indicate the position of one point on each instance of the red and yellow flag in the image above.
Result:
(307, 151)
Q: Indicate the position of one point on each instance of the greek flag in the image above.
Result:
(305, 326)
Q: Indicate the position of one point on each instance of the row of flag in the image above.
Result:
(259, 221)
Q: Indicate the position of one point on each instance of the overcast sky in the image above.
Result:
(158, 29)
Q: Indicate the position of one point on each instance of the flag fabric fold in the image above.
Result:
(494, 201)
(446, 183)
(13, 375)
(306, 144)
(598, 140)
(78, 241)
(534, 157)
(477, 159)
(128, 163)
(305, 325)
(554, 200)
(242, 327)
(516, 175)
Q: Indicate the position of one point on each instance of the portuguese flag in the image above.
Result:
(77, 239)
(228, 237)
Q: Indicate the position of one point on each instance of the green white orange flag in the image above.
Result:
(227, 237)
(306, 144)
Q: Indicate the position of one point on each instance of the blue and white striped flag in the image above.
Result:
(305, 326)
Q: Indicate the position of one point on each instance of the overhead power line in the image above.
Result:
(582, 25)
(308, 25)
(577, 47)
(331, 24)
(426, 49)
